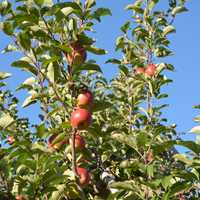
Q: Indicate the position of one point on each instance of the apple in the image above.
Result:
(77, 55)
(81, 118)
(150, 70)
(10, 139)
(19, 197)
(79, 142)
(57, 145)
(84, 176)
(140, 70)
(85, 98)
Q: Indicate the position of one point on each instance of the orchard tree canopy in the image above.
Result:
(97, 139)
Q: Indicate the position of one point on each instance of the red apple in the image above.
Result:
(140, 70)
(81, 118)
(20, 197)
(79, 142)
(77, 55)
(10, 139)
(85, 98)
(57, 145)
(84, 176)
(150, 70)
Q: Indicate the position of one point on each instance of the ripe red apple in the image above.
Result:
(77, 55)
(85, 98)
(10, 139)
(140, 70)
(81, 118)
(20, 197)
(57, 145)
(150, 70)
(84, 176)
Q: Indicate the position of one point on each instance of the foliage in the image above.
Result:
(126, 111)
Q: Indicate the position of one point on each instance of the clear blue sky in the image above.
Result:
(183, 93)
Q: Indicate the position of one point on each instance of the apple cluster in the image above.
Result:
(81, 118)
(150, 70)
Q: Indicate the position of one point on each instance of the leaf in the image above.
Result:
(101, 12)
(90, 3)
(8, 28)
(67, 11)
(28, 101)
(44, 2)
(195, 129)
(9, 48)
(169, 29)
(113, 61)
(24, 65)
(178, 9)
(24, 40)
(125, 139)
(152, 4)
(87, 66)
(127, 185)
(166, 181)
(100, 105)
(51, 73)
(95, 50)
(183, 158)
(5, 120)
(4, 75)
(134, 7)
(125, 27)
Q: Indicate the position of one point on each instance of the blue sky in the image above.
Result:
(183, 93)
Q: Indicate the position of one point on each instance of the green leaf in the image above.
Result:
(183, 158)
(5, 120)
(87, 66)
(67, 11)
(4, 75)
(152, 4)
(134, 7)
(26, 66)
(125, 139)
(24, 40)
(8, 28)
(179, 9)
(51, 72)
(100, 105)
(90, 3)
(101, 12)
(169, 29)
(44, 2)
(125, 27)
(113, 61)
(166, 181)
(28, 101)
(127, 185)
(95, 50)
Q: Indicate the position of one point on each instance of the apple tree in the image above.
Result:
(95, 139)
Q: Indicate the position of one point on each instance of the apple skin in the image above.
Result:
(79, 142)
(85, 98)
(150, 70)
(10, 139)
(19, 197)
(84, 176)
(78, 54)
(56, 146)
(80, 118)
(140, 70)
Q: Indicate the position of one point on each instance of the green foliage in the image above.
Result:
(130, 148)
